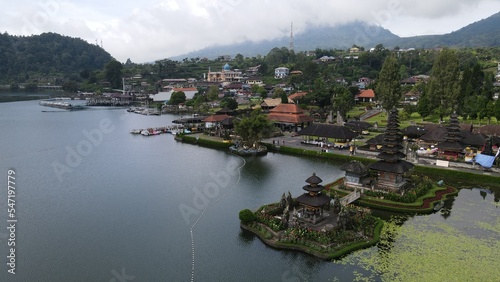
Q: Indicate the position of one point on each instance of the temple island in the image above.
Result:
(333, 220)
(316, 222)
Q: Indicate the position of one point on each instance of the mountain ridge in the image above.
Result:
(482, 33)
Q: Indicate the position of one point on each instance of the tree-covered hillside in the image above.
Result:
(484, 33)
(23, 58)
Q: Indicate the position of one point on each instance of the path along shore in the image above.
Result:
(295, 141)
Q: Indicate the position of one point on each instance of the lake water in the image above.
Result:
(96, 203)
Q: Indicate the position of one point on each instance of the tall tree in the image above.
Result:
(343, 100)
(177, 98)
(496, 110)
(213, 93)
(113, 74)
(424, 106)
(253, 128)
(444, 87)
(229, 102)
(278, 93)
(388, 86)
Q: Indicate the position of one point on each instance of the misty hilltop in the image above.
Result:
(483, 33)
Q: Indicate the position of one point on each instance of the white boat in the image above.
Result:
(145, 133)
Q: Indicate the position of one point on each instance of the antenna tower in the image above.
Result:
(291, 36)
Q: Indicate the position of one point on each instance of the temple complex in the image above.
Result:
(289, 117)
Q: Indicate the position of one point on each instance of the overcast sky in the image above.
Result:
(147, 30)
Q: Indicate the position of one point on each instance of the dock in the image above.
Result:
(108, 103)
(151, 131)
(61, 105)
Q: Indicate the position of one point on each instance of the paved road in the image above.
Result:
(295, 141)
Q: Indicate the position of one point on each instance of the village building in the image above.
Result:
(252, 70)
(225, 75)
(289, 117)
(281, 72)
(164, 96)
(327, 135)
(254, 80)
(269, 103)
(296, 96)
(364, 96)
(218, 120)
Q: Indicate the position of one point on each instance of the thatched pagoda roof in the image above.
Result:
(329, 131)
(355, 167)
(313, 179)
(377, 140)
(399, 167)
(357, 126)
(414, 131)
(473, 139)
(313, 201)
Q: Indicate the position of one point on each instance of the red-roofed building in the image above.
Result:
(296, 96)
(367, 95)
(289, 116)
(218, 120)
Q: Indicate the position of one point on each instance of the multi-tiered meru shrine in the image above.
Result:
(391, 167)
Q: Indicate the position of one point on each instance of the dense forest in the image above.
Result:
(26, 58)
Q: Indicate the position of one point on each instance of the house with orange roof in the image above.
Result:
(218, 120)
(270, 103)
(367, 95)
(289, 117)
(295, 96)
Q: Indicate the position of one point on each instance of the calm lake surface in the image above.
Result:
(96, 203)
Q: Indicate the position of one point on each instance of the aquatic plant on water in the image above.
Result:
(458, 249)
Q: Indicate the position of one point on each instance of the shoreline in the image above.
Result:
(354, 246)
(460, 178)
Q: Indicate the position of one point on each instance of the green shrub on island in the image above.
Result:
(270, 221)
(247, 216)
(205, 142)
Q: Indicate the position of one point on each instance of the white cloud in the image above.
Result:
(155, 29)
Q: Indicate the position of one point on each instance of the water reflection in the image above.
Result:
(257, 168)
(246, 237)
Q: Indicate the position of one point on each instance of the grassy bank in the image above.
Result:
(200, 141)
(457, 178)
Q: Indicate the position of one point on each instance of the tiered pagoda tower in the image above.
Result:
(313, 201)
(452, 146)
(391, 168)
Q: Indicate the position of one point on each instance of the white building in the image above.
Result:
(281, 72)
(165, 96)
